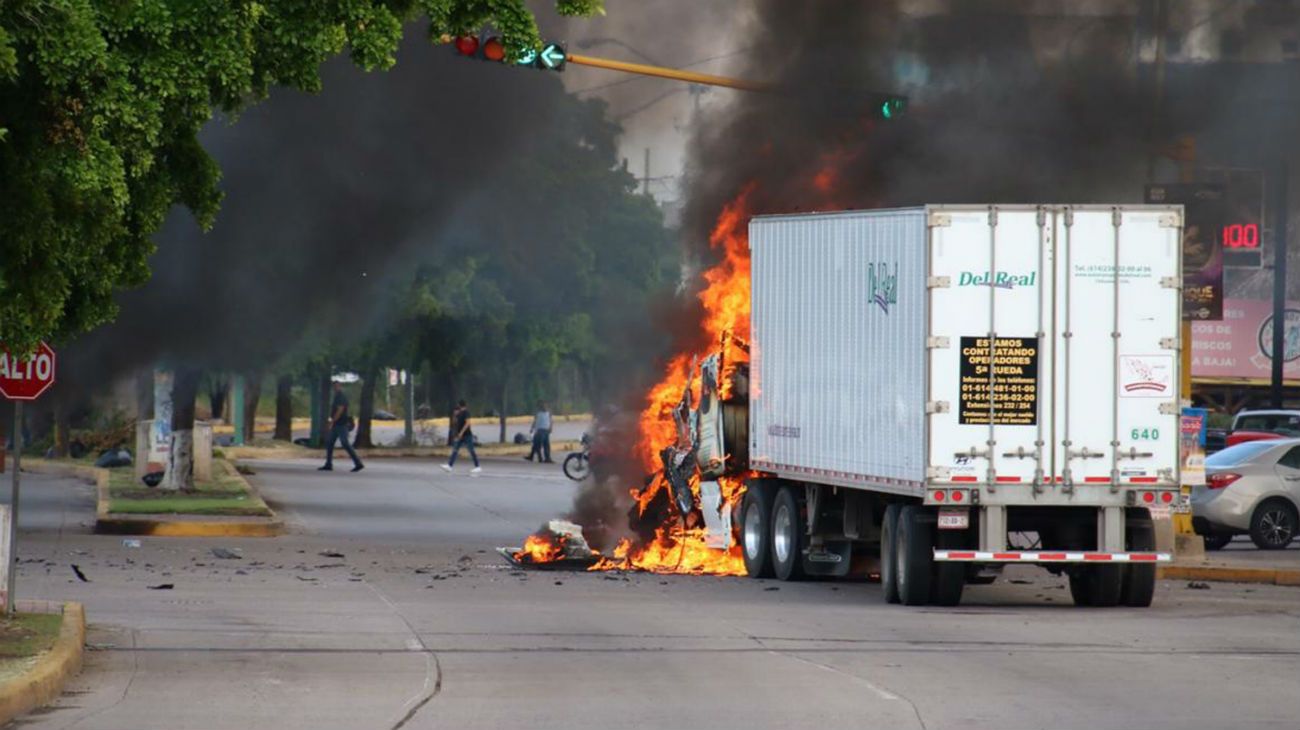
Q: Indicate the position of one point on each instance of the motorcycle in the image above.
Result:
(577, 466)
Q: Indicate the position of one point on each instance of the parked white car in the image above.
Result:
(1251, 488)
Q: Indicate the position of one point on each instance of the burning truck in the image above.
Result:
(946, 389)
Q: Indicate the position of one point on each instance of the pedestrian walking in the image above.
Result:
(463, 436)
(541, 430)
(340, 424)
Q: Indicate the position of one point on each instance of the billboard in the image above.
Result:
(1240, 346)
(1204, 219)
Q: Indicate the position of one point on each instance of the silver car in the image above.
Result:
(1253, 487)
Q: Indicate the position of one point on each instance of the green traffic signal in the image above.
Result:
(891, 108)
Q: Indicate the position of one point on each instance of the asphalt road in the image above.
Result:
(420, 625)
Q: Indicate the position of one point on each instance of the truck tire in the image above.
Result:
(949, 577)
(1097, 585)
(915, 556)
(888, 553)
(787, 536)
(1139, 585)
(1273, 525)
(756, 531)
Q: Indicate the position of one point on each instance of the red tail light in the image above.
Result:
(1221, 480)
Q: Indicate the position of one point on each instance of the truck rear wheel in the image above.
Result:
(756, 531)
(1097, 585)
(888, 550)
(1139, 578)
(915, 556)
(949, 577)
(787, 536)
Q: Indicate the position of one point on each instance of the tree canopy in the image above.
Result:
(101, 104)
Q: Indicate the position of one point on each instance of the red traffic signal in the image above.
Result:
(494, 50)
(467, 45)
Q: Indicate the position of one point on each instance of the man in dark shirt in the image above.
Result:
(337, 430)
(462, 435)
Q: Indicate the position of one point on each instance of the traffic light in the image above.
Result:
(892, 108)
(550, 57)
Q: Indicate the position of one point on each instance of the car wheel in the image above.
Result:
(915, 556)
(1218, 540)
(756, 531)
(888, 548)
(1273, 526)
(787, 536)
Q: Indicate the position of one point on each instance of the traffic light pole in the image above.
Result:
(662, 72)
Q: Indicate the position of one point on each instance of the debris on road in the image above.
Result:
(226, 554)
(162, 587)
(80, 575)
(130, 543)
(330, 554)
(557, 546)
(1198, 585)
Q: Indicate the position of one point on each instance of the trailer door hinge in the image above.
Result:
(936, 406)
(1117, 217)
(939, 220)
(1171, 220)
(938, 282)
(937, 343)
(942, 473)
(1169, 343)
(1169, 409)
(1171, 282)
(1042, 216)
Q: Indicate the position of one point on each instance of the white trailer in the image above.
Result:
(965, 387)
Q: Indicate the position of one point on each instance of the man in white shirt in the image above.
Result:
(541, 430)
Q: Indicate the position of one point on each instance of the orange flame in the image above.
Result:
(541, 548)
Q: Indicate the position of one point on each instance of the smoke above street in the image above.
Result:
(1006, 102)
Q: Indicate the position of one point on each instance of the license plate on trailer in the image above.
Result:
(954, 518)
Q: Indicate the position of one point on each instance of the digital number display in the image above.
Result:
(1241, 235)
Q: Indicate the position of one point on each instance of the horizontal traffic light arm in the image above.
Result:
(646, 69)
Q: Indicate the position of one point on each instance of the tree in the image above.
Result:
(101, 104)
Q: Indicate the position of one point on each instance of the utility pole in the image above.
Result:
(645, 181)
(1280, 245)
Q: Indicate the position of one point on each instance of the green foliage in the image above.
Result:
(100, 106)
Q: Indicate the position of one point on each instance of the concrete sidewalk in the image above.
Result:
(1240, 562)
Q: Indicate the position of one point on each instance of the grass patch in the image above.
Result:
(224, 495)
(25, 635)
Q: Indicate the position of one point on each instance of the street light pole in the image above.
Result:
(1280, 242)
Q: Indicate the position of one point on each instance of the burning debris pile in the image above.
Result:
(681, 517)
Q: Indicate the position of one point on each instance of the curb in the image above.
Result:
(109, 524)
(1224, 574)
(43, 683)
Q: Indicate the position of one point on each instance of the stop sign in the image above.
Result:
(26, 379)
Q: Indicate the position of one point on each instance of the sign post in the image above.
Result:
(20, 380)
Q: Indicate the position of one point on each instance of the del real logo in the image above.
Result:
(882, 285)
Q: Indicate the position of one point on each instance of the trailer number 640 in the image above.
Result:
(1145, 434)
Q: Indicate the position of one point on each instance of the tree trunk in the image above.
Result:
(180, 472)
(323, 387)
(284, 408)
(367, 411)
(252, 394)
(505, 389)
(62, 427)
(218, 388)
(144, 394)
(451, 404)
